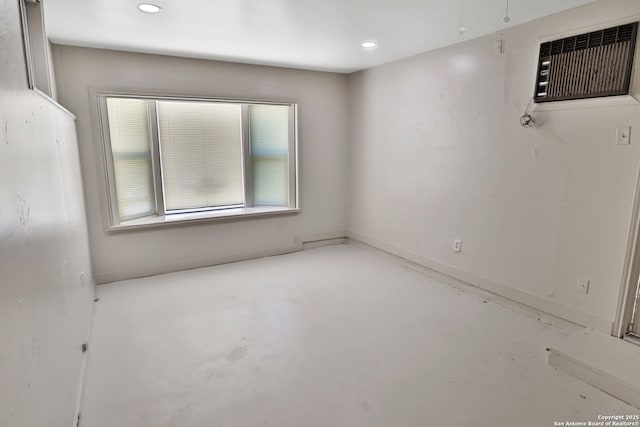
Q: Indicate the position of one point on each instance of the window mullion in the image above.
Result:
(293, 156)
(155, 157)
(247, 166)
(108, 157)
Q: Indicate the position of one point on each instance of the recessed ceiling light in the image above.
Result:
(369, 45)
(149, 8)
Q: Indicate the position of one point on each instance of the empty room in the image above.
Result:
(238, 213)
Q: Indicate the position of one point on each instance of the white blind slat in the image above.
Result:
(201, 152)
(131, 151)
(269, 139)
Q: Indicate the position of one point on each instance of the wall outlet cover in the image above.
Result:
(583, 285)
(623, 135)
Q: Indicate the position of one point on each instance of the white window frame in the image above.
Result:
(36, 48)
(111, 215)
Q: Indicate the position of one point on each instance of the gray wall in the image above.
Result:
(322, 106)
(437, 153)
(45, 312)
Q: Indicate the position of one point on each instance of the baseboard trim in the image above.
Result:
(115, 276)
(595, 377)
(78, 408)
(324, 242)
(84, 362)
(309, 241)
(539, 303)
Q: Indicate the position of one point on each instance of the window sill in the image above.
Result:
(200, 217)
(574, 104)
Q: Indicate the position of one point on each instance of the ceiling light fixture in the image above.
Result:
(506, 18)
(370, 44)
(461, 27)
(149, 8)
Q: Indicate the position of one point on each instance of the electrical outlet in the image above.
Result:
(583, 285)
(457, 245)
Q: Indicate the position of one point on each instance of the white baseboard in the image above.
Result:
(114, 276)
(83, 369)
(313, 238)
(84, 362)
(325, 242)
(309, 241)
(546, 305)
(616, 387)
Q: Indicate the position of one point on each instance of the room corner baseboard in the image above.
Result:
(595, 377)
(546, 305)
(317, 240)
(323, 242)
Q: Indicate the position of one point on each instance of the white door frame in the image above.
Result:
(631, 271)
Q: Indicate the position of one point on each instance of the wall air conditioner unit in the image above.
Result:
(589, 65)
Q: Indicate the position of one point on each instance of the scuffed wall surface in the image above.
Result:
(437, 154)
(45, 310)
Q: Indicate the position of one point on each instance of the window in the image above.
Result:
(179, 159)
(36, 46)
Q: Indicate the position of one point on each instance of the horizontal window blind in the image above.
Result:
(131, 151)
(201, 153)
(269, 141)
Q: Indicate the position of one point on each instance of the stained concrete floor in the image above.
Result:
(334, 336)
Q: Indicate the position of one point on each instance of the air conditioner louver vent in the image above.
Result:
(587, 65)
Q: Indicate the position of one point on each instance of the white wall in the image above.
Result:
(45, 313)
(322, 111)
(437, 153)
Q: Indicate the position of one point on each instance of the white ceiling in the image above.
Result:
(309, 34)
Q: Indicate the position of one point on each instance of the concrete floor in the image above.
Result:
(334, 336)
